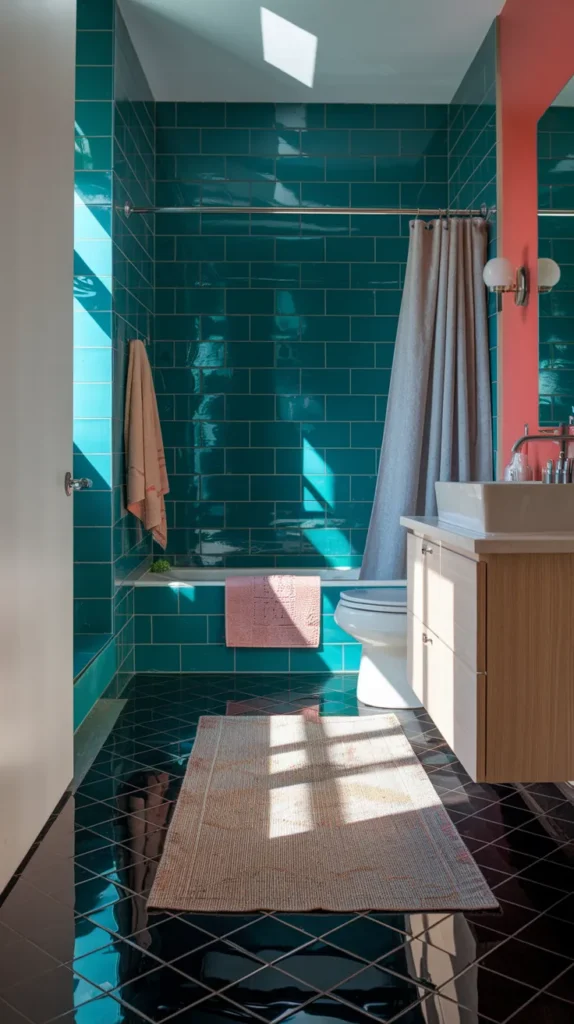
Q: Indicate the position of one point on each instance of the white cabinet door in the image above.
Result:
(36, 252)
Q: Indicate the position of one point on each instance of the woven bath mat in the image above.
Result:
(284, 812)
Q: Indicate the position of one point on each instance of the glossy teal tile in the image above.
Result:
(92, 400)
(349, 514)
(92, 436)
(225, 488)
(250, 514)
(344, 355)
(351, 657)
(325, 275)
(98, 16)
(94, 83)
(142, 629)
(192, 168)
(275, 275)
(250, 168)
(201, 600)
(401, 115)
(200, 115)
(301, 407)
(318, 193)
(277, 381)
(179, 629)
(327, 658)
(92, 329)
(177, 328)
(250, 354)
(157, 658)
(363, 488)
(275, 488)
(374, 143)
(250, 460)
(268, 660)
(250, 407)
(326, 435)
(300, 168)
(350, 250)
(197, 353)
(228, 435)
(366, 435)
(344, 407)
(370, 382)
(249, 248)
(188, 247)
(424, 143)
(301, 249)
(250, 115)
(275, 328)
(275, 435)
(300, 460)
(279, 541)
(250, 300)
(92, 579)
(156, 600)
(207, 658)
(325, 381)
(376, 275)
(299, 354)
(92, 544)
(388, 303)
(94, 118)
(370, 328)
(225, 381)
(94, 47)
(300, 115)
(349, 168)
(165, 115)
(351, 302)
(325, 328)
(351, 461)
(321, 143)
(299, 301)
(92, 364)
(365, 194)
(93, 188)
(92, 154)
(273, 143)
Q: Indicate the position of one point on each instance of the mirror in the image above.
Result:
(556, 241)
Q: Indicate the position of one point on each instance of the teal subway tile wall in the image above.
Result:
(556, 240)
(472, 167)
(113, 301)
(274, 334)
(182, 629)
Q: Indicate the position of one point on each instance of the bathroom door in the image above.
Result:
(36, 252)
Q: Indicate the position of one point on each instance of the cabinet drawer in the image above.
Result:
(454, 606)
(451, 692)
(423, 564)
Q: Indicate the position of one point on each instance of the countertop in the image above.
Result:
(473, 543)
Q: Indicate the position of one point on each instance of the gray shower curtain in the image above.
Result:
(438, 422)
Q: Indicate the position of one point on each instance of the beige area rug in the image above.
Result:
(284, 812)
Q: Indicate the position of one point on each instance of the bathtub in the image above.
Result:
(179, 624)
(182, 576)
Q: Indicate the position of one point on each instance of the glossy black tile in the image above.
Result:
(218, 964)
(270, 993)
(380, 993)
(269, 939)
(327, 1009)
(492, 995)
(161, 993)
(545, 1009)
(321, 965)
(523, 962)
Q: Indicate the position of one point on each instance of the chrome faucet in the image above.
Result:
(560, 439)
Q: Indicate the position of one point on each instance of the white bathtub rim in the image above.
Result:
(142, 577)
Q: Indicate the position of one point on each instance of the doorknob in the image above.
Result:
(70, 485)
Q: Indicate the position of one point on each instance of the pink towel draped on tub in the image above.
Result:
(272, 611)
(146, 478)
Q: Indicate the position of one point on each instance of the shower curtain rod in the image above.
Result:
(127, 209)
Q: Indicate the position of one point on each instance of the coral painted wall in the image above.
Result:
(536, 59)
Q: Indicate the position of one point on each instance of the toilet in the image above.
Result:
(377, 618)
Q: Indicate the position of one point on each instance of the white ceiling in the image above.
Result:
(383, 51)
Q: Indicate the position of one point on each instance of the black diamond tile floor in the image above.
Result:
(78, 945)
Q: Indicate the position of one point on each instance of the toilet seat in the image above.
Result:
(376, 599)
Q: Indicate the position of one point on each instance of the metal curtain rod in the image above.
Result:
(484, 211)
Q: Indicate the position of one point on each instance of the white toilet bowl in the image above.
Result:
(377, 618)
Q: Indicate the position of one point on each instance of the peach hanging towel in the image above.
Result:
(146, 477)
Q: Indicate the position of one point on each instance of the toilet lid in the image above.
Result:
(376, 599)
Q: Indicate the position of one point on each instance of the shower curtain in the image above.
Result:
(438, 422)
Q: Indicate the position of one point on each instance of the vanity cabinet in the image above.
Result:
(491, 656)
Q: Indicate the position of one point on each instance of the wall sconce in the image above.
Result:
(548, 274)
(499, 276)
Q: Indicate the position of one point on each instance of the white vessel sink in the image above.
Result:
(500, 507)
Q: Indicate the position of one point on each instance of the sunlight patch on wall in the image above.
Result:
(288, 47)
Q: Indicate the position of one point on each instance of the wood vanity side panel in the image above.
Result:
(530, 668)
